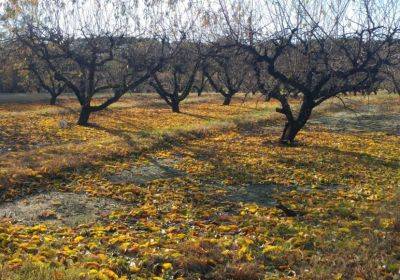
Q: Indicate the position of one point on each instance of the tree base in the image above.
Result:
(289, 143)
(84, 117)
(53, 101)
(288, 212)
(175, 107)
(227, 101)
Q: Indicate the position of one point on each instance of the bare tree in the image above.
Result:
(200, 83)
(91, 37)
(175, 80)
(226, 70)
(44, 79)
(392, 83)
(315, 48)
(178, 22)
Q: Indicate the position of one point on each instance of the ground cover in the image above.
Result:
(208, 194)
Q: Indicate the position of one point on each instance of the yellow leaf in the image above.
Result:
(109, 273)
(227, 228)
(272, 248)
(386, 223)
(15, 261)
(124, 246)
(133, 268)
(252, 209)
(79, 239)
(338, 276)
(167, 266)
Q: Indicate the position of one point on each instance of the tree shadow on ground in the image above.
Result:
(363, 158)
(67, 109)
(120, 133)
(31, 184)
(206, 118)
(259, 194)
(247, 182)
(268, 128)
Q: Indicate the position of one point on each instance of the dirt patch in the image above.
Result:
(368, 118)
(265, 194)
(23, 98)
(156, 169)
(259, 194)
(58, 208)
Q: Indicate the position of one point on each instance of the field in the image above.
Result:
(144, 193)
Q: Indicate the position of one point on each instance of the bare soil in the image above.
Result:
(58, 208)
(71, 209)
(366, 118)
(156, 169)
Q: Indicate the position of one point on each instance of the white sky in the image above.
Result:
(267, 16)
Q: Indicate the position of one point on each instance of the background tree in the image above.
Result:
(227, 70)
(392, 74)
(11, 80)
(175, 80)
(44, 79)
(200, 83)
(182, 56)
(90, 38)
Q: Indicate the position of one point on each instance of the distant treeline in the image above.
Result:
(16, 77)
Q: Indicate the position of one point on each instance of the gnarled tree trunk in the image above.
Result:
(53, 99)
(227, 100)
(175, 105)
(292, 127)
(290, 132)
(84, 115)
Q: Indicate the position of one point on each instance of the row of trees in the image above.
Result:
(311, 49)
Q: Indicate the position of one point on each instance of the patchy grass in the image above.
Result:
(221, 218)
(43, 272)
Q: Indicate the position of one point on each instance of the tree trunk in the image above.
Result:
(53, 100)
(290, 132)
(227, 100)
(175, 106)
(292, 128)
(397, 87)
(84, 116)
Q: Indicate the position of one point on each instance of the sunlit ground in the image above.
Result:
(205, 194)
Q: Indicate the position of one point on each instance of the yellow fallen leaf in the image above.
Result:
(227, 228)
(252, 209)
(78, 239)
(272, 248)
(109, 273)
(167, 266)
(133, 268)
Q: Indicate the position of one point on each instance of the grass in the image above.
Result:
(344, 183)
(36, 272)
